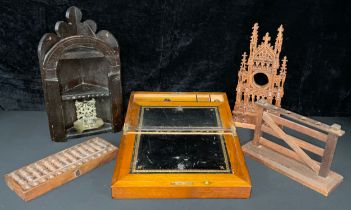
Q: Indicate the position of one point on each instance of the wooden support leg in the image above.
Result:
(328, 155)
(258, 128)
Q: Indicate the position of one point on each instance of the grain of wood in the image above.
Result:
(293, 161)
(38, 178)
(290, 142)
(293, 169)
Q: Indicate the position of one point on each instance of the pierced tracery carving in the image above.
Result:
(86, 116)
(262, 64)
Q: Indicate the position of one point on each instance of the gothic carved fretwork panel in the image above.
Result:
(86, 116)
(261, 76)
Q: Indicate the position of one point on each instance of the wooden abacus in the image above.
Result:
(55, 170)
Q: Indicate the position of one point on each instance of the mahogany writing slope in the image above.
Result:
(180, 145)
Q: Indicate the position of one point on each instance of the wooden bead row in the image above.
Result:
(40, 171)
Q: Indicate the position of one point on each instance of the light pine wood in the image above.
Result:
(293, 161)
(40, 177)
(126, 185)
(263, 61)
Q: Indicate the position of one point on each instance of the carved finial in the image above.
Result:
(279, 40)
(74, 26)
(281, 29)
(283, 67)
(254, 36)
(74, 15)
(243, 61)
(266, 38)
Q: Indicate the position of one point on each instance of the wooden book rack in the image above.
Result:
(293, 161)
(37, 178)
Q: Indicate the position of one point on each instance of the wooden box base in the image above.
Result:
(180, 192)
(293, 169)
(230, 180)
(126, 185)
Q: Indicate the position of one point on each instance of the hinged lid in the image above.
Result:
(172, 113)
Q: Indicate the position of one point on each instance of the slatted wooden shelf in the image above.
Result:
(73, 133)
(85, 91)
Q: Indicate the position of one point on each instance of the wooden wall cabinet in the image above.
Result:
(78, 64)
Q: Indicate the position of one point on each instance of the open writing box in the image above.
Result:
(180, 145)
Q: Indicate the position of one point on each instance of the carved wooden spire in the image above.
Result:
(266, 38)
(283, 68)
(243, 61)
(254, 36)
(279, 40)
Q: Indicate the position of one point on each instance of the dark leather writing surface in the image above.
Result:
(180, 117)
(180, 153)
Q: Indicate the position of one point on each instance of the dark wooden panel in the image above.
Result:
(80, 68)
